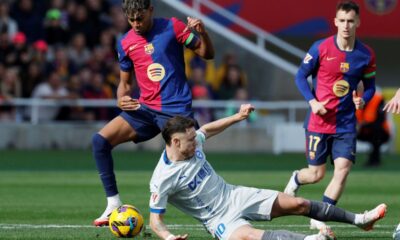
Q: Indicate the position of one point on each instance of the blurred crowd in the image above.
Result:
(56, 49)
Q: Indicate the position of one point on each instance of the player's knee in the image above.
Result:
(341, 174)
(99, 143)
(250, 236)
(316, 175)
(302, 205)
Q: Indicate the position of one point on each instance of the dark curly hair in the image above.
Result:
(131, 7)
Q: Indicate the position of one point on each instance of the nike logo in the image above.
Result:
(132, 47)
(330, 58)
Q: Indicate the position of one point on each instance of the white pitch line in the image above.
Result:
(173, 226)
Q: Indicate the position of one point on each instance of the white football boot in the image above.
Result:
(112, 203)
(370, 217)
(292, 187)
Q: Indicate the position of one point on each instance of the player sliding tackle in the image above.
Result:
(184, 178)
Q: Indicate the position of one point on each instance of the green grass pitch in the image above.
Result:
(57, 194)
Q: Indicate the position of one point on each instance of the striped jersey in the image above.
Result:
(157, 59)
(335, 74)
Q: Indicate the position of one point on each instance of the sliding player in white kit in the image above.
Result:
(185, 179)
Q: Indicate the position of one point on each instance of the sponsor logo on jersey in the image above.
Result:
(155, 72)
(381, 7)
(149, 48)
(204, 171)
(330, 58)
(307, 58)
(341, 88)
(344, 67)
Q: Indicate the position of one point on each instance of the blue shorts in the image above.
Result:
(148, 123)
(320, 145)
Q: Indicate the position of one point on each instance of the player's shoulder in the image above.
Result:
(325, 42)
(363, 47)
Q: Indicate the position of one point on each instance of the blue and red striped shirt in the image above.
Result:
(335, 74)
(157, 59)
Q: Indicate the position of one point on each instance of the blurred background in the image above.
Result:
(59, 71)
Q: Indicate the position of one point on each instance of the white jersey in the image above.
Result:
(191, 185)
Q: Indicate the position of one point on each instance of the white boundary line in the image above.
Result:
(173, 226)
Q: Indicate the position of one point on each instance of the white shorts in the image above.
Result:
(245, 203)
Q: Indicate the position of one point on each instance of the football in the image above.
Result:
(396, 233)
(126, 221)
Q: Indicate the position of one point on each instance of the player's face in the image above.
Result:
(347, 23)
(142, 21)
(187, 144)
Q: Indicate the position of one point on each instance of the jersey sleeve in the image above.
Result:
(125, 63)
(159, 196)
(183, 35)
(307, 67)
(200, 138)
(370, 70)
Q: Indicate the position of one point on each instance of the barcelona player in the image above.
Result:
(153, 49)
(185, 179)
(337, 64)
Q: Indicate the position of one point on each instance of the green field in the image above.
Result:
(57, 194)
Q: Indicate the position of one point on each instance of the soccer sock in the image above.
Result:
(326, 212)
(329, 200)
(296, 179)
(282, 235)
(104, 162)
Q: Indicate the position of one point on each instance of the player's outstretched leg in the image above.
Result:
(287, 235)
(293, 185)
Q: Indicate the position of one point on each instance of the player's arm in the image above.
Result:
(213, 128)
(158, 226)
(125, 101)
(394, 104)
(204, 47)
(308, 66)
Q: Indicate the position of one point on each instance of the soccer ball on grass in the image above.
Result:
(126, 221)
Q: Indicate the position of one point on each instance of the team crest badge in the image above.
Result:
(341, 88)
(381, 7)
(149, 48)
(312, 155)
(344, 67)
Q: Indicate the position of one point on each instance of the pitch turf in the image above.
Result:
(57, 194)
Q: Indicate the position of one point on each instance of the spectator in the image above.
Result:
(29, 16)
(97, 90)
(60, 6)
(203, 115)
(53, 88)
(373, 127)
(6, 48)
(10, 87)
(55, 32)
(77, 51)
(61, 64)
(231, 82)
(241, 95)
(19, 55)
(228, 60)
(31, 77)
(7, 24)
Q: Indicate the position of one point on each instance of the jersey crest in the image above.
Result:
(344, 67)
(149, 48)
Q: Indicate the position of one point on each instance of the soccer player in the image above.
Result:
(184, 178)
(337, 64)
(394, 104)
(153, 49)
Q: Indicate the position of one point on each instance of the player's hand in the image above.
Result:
(177, 237)
(245, 110)
(358, 101)
(318, 108)
(195, 24)
(393, 105)
(127, 103)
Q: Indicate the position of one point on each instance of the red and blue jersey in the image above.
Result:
(157, 59)
(335, 74)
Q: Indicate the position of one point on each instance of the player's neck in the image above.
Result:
(173, 155)
(345, 44)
